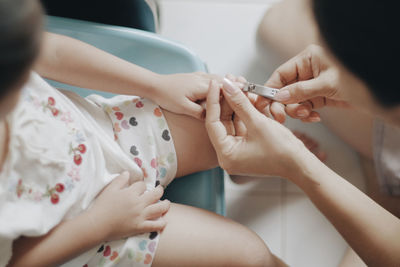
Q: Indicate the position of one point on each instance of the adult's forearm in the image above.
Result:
(66, 241)
(371, 231)
(74, 62)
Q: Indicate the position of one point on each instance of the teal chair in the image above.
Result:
(203, 189)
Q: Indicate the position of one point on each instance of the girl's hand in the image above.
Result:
(123, 210)
(182, 93)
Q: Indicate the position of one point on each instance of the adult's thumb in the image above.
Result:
(303, 91)
(240, 104)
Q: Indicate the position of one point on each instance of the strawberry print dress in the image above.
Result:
(64, 149)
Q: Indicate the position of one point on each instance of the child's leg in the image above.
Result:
(195, 237)
(193, 147)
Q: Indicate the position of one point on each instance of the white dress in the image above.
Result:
(64, 150)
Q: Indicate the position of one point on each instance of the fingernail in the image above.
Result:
(229, 87)
(240, 85)
(315, 119)
(230, 76)
(302, 113)
(282, 95)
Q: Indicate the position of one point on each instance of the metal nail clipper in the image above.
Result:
(261, 90)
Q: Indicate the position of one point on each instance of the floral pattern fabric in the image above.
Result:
(64, 150)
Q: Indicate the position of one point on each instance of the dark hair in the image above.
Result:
(20, 28)
(363, 35)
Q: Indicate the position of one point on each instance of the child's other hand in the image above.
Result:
(182, 93)
(124, 209)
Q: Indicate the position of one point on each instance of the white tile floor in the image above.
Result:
(222, 33)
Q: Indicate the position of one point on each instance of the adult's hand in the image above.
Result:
(310, 78)
(251, 143)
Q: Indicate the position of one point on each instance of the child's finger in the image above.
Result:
(155, 211)
(241, 79)
(261, 103)
(252, 97)
(153, 196)
(138, 188)
(240, 127)
(267, 112)
(226, 111)
(278, 111)
(154, 226)
(299, 111)
(195, 110)
(314, 117)
(121, 181)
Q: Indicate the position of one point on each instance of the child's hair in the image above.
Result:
(20, 35)
(362, 34)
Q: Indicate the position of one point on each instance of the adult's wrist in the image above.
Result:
(306, 167)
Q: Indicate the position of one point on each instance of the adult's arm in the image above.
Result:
(269, 148)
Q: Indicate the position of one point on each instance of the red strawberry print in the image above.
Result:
(51, 101)
(119, 115)
(107, 251)
(55, 112)
(59, 187)
(54, 198)
(139, 104)
(82, 148)
(78, 159)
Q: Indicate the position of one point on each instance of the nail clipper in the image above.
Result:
(261, 90)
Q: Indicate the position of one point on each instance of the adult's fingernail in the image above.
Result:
(229, 87)
(282, 95)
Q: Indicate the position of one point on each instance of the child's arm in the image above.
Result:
(133, 212)
(73, 62)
